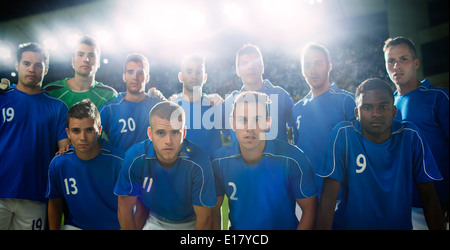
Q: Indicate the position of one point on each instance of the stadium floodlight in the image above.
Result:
(6, 52)
(233, 12)
(50, 43)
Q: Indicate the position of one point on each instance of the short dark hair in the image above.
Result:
(248, 49)
(33, 47)
(136, 57)
(193, 57)
(84, 109)
(400, 40)
(165, 110)
(89, 40)
(374, 84)
(252, 97)
(318, 47)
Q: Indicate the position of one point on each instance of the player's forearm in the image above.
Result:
(431, 206)
(216, 220)
(54, 214)
(125, 212)
(309, 208)
(126, 220)
(327, 204)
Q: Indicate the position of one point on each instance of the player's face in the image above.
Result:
(250, 124)
(192, 75)
(400, 65)
(31, 69)
(376, 111)
(250, 69)
(167, 140)
(83, 133)
(135, 77)
(86, 60)
(316, 69)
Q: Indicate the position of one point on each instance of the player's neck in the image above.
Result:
(320, 90)
(30, 90)
(192, 96)
(89, 155)
(253, 156)
(135, 97)
(254, 85)
(404, 89)
(81, 83)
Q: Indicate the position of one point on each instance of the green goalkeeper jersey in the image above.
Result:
(99, 93)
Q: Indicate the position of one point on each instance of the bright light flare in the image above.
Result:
(6, 52)
(233, 12)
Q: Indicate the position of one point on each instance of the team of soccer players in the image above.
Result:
(368, 160)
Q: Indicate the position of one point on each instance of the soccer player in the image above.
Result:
(374, 161)
(204, 122)
(250, 68)
(426, 106)
(171, 176)
(318, 112)
(32, 127)
(85, 175)
(263, 179)
(85, 62)
(125, 120)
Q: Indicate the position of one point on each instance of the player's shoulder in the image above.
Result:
(283, 149)
(342, 93)
(227, 152)
(426, 87)
(399, 127)
(57, 85)
(194, 153)
(105, 88)
(111, 151)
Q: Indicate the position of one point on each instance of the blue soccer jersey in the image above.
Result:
(263, 196)
(315, 117)
(30, 127)
(428, 107)
(87, 187)
(124, 122)
(203, 122)
(279, 111)
(168, 193)
(377, 179)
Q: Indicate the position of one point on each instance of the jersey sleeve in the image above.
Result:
(129, 180)
(62, 123)
(349, 106)
(301, 177)
(424, 165)
(53, 185)
(441, 111)
(104, 116)
(203, 190)
(334, 166)
(218, 178)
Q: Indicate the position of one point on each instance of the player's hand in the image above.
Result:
(215, 99)
(63, 149)
(4, 84)
(153, 92)
(174, 97)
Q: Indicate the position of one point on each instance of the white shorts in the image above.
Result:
(154, 223)
(16, 214)
(418, 219)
